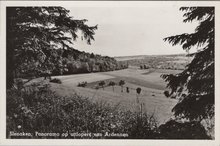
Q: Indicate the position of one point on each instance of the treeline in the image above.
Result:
(82, 62)
(71, 61)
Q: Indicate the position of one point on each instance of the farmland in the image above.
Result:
(149, 81)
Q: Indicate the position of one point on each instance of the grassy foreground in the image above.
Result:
(36, 112)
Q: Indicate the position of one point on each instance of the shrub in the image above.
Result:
(138, 90)
(166, 93)
(55, 80)
(146, 66)
(121, 83)
(102, 84)
(112, 83)
(82, 84)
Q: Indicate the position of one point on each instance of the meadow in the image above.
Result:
(151, 84)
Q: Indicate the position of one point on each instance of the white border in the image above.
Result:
(4, 141)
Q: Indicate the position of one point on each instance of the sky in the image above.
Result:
(128, 31)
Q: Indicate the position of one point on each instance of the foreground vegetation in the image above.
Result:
(36, 110)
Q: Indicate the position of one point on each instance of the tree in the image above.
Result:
(196, 82)
(166, 93)
(112, 83)
(121, 83)
(34, 32)
(141, 67)
(127, 89)
(82, 84)
(138, 90)
(102, 84)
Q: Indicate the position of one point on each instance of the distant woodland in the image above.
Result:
(71, 61)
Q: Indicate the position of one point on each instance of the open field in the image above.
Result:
(149, 81)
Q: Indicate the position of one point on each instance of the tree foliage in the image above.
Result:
(121, 83)
(112, 83)
(75, 61)
(195, 85)
(34, 32)
(102, 84)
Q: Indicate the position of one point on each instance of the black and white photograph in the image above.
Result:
(110, 70)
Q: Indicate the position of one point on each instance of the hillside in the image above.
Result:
(173, 62)
(69, 61)
(152, 94)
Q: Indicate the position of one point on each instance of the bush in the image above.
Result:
(41, 110)
(138, 90)
(82, 84)
(166, 93)
(146, 66)
(102, 84)
(55, 80)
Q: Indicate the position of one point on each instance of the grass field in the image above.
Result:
(148, 80)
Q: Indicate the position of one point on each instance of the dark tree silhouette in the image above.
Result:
(127, 89)
(112, 83)
(82, 84)
(121, 83)
(32, 34)
(102, 84)
(196, 82)
(138, 90)
(141, 67)
(166, 93)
